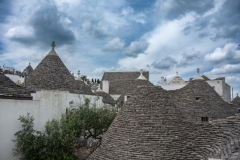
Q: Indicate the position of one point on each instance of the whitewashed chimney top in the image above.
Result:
(198, 77)
(141, 77)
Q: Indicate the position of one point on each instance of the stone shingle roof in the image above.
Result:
(112, 76)
(52, 74)
(236, 101)
(107, 99)
(94, 87)
(8, 89)
(126, 86)
(120, 100)
(82, 88)
(177, 80)
(29, 68)
(151, 126)
(205, 78)
(198, 99)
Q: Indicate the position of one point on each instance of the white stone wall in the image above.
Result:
(105, 86)
(222, 88)
(218, 86)
(227, 93)
(115, 96)
(45, 106)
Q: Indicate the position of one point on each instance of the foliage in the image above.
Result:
(85, 79)
(95, 121)
(57, 141)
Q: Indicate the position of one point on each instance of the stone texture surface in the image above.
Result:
(126, 86)
(198, 99)
(151, 126)
(236, 101)
(52, 74)
(82, 88)
(107, 99)
(10, 90)
(177, 80)
(112, 76)
(29, 68)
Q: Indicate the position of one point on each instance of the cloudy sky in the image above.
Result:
(160, 36)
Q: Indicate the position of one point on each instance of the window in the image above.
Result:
(198, 98)
(204, 119)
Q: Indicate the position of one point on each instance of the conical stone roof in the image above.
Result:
(150, 126)
(177, 80)
(52, 74)
(140, 127)
(236, 101)
(198, 99)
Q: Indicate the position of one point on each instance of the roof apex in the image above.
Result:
(141, 77)
(52, 52)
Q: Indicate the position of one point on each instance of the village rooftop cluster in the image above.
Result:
(194, 119)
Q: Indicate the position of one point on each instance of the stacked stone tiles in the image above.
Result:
(107, 99)
(113, 76)
(120, 101)
(198, 99)
(8, 89)
(52, 74)
(29, 68)
(82, 88)
(236, 101)
(150, 126)
(126, 86)
(177, 80)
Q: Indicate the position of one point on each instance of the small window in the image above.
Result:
(198, 98)
(204, 119)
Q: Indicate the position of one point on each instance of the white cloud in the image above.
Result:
(227, 54)
(114, 45)
(129, 13)
(91, 28)
(20, 32)
(227, 69)
(136, 48)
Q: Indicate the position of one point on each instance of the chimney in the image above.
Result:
(105, 86)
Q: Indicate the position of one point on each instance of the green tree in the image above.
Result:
(58, 139)
(85, 79)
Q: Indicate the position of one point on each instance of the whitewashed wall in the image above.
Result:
(115, 96)
(222, 88)
(45, 106)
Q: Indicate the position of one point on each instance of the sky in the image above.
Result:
(159, 36)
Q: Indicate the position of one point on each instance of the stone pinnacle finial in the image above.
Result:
(141, 75)
(198, 71)
(78, 73)
(237, 94)
(198, 75)
(53, 44)
(29, 64)
(177, 73)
